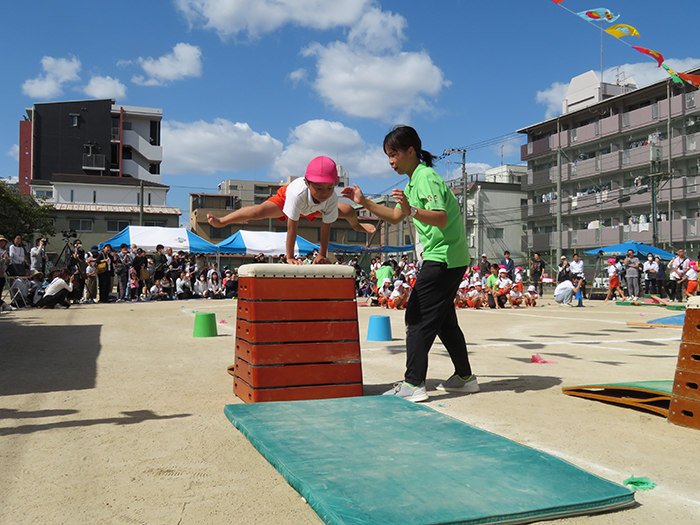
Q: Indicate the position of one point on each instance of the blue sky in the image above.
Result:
(256, 88)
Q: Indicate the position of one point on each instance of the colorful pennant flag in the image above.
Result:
(674, 75)
(557, 1)
(622, 30)
(692, 79)
(599, 14)
(657, 56)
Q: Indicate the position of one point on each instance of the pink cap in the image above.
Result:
(323, 170)
(518, 269)
(611, 260)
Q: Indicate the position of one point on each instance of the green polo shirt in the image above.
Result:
(428, 191)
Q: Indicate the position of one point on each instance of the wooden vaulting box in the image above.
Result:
(296, 333)
(685, 400)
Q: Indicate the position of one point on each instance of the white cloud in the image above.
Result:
(14, 152)
(203, 148)
(256, 17)
(643, 73)
(298, 75)
(378, 32)
(185, 61)
(105, 87)
(49, 84)
(334, 140)
(472, 168)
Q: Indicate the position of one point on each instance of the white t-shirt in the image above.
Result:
(612, 270)
(515, 293)
(576, 267)
(566, 285)
(692, 274)
(57, 285)
(518, 277)
(299, 202)
(650, 266)
(504, 283)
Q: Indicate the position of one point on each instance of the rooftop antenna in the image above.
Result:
(501, 154)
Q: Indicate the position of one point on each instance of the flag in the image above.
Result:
(622, 30)
(692, 79)
(599, 14)
(557, 1)
(674, 75)
(657, 56)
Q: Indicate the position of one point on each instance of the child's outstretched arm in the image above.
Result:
(291, 241)
(322, 257)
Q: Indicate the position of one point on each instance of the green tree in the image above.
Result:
(22, 214)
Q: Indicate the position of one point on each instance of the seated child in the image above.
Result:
(385, 293)
(399, 297)
(515, 297)
(475, 298)
(531, 296)
(311, 196)
(462, 294)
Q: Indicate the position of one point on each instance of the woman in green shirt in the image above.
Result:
(430, 311)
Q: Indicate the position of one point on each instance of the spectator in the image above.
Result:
(660, 276)
(564, 292)
(484, 266)
(563, 271)
(492, 286)
(160, 261)
(4, 261)
(36, 287)
(576, 268)
(508, 263)
(168, 256)
(134, 291)
(37, 256)
(231, 284)
(200, 287)
(156, 293)
(121, 270)
(215, 291)
(538, 266)
(90, 290)
(57, 292)
(214, 270)
(651, 268)
(105, 272)
(17, 266)
(167, 286)
(139, 264)
(183, 286)
(632, 272)
(677, 269)
(282, 258)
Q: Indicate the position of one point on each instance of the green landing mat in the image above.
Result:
(654, 396)
(384, 460)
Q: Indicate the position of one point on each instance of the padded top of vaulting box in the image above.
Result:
(334, 271)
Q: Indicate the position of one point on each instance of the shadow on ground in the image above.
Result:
(60, 358)
(518, 385)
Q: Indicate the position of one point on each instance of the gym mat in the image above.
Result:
(654, 396)
(675, 320)
(382, 459)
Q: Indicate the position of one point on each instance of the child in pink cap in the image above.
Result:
(311, 196)
(614, 280)
(692, 276)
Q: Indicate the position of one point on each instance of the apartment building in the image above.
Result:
(611, 147)
(97, 163)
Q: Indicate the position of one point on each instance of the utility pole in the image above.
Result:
(141, 203)
(559, 195)
(657, 154)
(464, 182)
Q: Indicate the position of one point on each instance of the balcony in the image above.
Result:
(93, 162)
(535, 148)
(139, 144)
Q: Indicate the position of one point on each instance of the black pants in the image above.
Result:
(49, 301)
(104, 282)
(675, 291)
(537, 281)
(431, 312)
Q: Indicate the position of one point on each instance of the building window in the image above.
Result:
(94, 196)
(154, 169)
(354, 236)
(626, 120)
(333, 235)
(494, 233)
(116, 226)
(219, 233)
(71, 199)
(149, 199)
(690, 143)
(80, 225)
(690, 100)
(74, 119)
(43, 193)
(655, 111)
(158, 224)
(407, 239)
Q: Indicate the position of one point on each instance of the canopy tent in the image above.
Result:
(354, 248)
(638, 247)
(148, 237)
(269, 243)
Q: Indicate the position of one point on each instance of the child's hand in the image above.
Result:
(293, 260)
(320, 259)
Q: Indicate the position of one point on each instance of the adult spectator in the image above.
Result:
(105, 272)
(632, 267)
(214, 286)
(231, 284)
(200, 289)
(161, 261)
(564, 292)
(121, 269)
(393, 263)
(77, 264)
(508, 264)
(214, 270)
(651, 269)
(677, 269)
(576, 268)
(17, 266)
(37, 256)
(484, 266)
(139, 264)
(182, 286)
(563, 271)
(169, 256)
(386, 271)
(661, 277)
(57, 292)
(4, 261)
(537, 265)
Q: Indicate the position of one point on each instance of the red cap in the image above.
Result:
(323, 170)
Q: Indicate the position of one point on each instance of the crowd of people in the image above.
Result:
(90, 276)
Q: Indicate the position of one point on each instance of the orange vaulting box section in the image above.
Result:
(296, 333)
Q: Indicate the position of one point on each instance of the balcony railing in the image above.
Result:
(93, 162)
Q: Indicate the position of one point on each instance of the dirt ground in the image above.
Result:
(114, 413)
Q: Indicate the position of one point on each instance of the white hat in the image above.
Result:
(502, 270)
(472, 285)
(531, 288)
(477, 283)
(464, 284)
(386, 280)
(483, 255)
(406, 285)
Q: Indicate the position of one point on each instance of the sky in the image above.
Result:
(254, 89)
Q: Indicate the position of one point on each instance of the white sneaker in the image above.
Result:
(415, 394)
(8, 308)
(457, 384)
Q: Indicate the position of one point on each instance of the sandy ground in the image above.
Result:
(114, 413)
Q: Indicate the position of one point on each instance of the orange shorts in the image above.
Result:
(280, 197)
(391, 303)
(692, 287)
(520, 286)
(469, 303)
(614, 281)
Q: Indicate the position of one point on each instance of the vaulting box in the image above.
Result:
(684, 409)
(296, 333)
